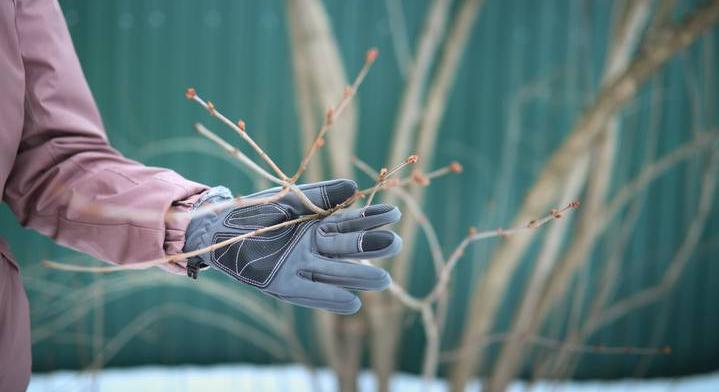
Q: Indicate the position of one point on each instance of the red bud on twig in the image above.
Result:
(419, 178)
(392, 182)
(455, 167)
(371, 55)
(190, 93)
(329, 115)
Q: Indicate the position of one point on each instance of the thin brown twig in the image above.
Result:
(385, 175)
(236, 153)
(414, 207)
(333, 112)
(239, 128)
(473, 236)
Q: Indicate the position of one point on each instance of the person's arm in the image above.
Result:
(67, 182)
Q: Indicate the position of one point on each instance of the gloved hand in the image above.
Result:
(303, 263)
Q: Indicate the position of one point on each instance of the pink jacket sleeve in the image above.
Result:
(67, 182)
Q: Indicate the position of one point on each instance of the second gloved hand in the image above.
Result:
(303, 264)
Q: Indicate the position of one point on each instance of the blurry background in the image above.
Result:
(524, 77)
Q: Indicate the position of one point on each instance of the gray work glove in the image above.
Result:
(302, 264)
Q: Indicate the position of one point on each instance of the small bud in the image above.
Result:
(555, 213)
(371, 55)
(211, 108)
(472, 231)
(190, 93)
(532, 224)
(329, 115)
(574, 204)
(419, 178)
(383, 172)
(320, 142)
(241, 125)
(455, 167)
(412, 159)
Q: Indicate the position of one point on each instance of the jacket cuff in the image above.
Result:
(176, 221)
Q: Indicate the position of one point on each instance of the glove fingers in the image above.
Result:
(360, 219)
(323, 296)
(359, 244)
(350, 275)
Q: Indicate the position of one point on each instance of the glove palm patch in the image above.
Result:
(254, 260)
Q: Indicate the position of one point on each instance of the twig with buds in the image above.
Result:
(335, 111)
(238, 127)
(280, 177)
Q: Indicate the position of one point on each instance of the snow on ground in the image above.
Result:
(297, 378)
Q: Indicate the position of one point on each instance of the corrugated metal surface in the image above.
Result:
(140, 55)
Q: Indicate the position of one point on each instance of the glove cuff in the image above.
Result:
(213, 195)
(197, 230)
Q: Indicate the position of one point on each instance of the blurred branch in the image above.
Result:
(616, 249)
(626, 193)
(411, 104)
(74, 305)
(429, 118)
(425, 305)
(681, 257)
(398, 32)
(209, 318)
(319, 76)
(553, 344)
(522, 327)
(530, 316)
(608, 101)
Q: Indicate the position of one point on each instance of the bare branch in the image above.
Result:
(236, 153)
(608, 101)
(681, 257)
(334, 112)
(239, 128)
